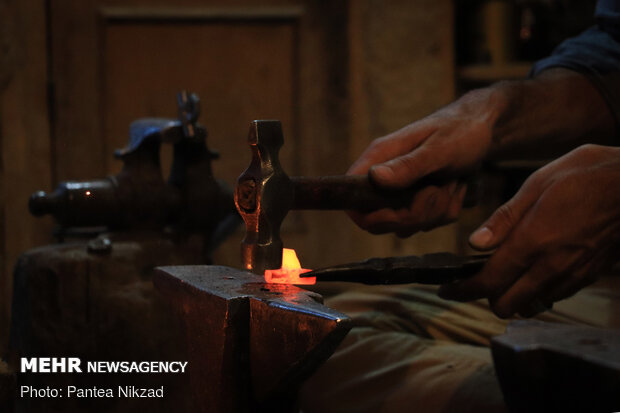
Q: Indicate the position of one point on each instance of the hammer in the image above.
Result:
(265, 193)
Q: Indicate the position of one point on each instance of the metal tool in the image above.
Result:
(138, 197)
(548, 367)
(437, 268)
(265, 193)
(250, 343)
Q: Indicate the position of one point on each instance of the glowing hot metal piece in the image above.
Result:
(290, 271)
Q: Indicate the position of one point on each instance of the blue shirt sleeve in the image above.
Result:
(595, 53)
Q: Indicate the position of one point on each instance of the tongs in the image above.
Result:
(436, 268)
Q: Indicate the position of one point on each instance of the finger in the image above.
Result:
(504, 267)
(391, 146)
(505, 218)
(403, 171)
(440, 210)
(535, 307)
(535, 284)
(456, 203)
(425, 211)
(428, 209)
(430, 205)
(572, 284)
(580, 272)
(377, 222)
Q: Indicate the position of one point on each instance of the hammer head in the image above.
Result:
(263, 195)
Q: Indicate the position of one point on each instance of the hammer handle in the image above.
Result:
(357, 192)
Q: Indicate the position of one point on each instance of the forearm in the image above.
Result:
(546, 116)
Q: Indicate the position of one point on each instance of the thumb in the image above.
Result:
(497, 228)
(404, 170)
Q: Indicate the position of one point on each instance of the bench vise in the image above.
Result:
(138, 197)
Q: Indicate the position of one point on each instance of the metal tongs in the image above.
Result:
(436, 268)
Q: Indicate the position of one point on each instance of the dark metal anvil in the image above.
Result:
(250, 343)
(548, 367)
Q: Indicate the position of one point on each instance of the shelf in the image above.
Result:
(493, 73)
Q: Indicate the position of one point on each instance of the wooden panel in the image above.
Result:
(401, 70)
(24, 138)
(242, 70)
(77, 144)
(85, 42)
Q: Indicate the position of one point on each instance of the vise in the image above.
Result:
(138, 197)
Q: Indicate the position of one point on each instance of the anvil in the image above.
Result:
(250, 343)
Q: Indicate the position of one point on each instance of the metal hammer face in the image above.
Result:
(264, 195)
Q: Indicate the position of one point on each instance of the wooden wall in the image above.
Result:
(25, 144)
(74, 73)
(402, 69)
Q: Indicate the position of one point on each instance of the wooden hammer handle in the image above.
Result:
(357, 192)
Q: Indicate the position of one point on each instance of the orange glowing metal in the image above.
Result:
(290, 271)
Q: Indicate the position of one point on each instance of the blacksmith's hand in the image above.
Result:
(547, 116)
(450, 142)
(554, 237)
